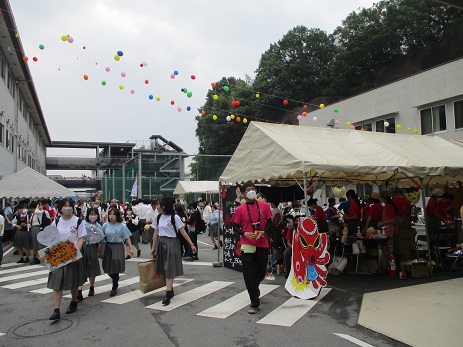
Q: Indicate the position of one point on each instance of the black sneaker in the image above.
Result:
(21, 261)
(26, 260)
(35, 261)
(113, 292)
(56, 315)
(72, 307)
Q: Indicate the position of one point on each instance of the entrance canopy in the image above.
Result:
(29, 183)
(185, 187)
(284, 154)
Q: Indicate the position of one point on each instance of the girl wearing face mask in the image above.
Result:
(21, 222)
(71, 276)
(39, 220)
(116, 233)
(131, 221)
(91, 249)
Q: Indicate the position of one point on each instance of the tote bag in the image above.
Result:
(149, 280)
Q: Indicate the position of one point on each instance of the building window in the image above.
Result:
(365, 127)
(3, 67)
(2, 129)
(10, 83)
(458, 112)
(386, 125)
(9, 141)
(19, 151)
(433, 120)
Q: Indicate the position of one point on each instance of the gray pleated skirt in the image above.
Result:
(90, 258)
(22, 239)
(135, 237)
(34, 244)
(114, 258)
(67, 277)
(169, 257)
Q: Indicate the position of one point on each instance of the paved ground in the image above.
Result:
(209, 308)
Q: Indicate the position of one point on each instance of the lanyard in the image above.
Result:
(249, 212)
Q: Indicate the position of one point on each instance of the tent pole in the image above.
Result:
(219, 263)
(426, 225)
(305, 194)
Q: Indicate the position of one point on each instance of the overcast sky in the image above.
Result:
(207, 39)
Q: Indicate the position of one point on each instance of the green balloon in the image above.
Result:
(335, 110)
(41, 46)
(185, 90)
(189, 94)
(226, 88)
(103, 83)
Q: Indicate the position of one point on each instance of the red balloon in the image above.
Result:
(25, 59)
(237, 103)
(146, 81)
(34, 59)
(193, 77)
(141, 64)
(416, 186)
(172, 102)
(285, 102)
(305, 106)
(85, 77)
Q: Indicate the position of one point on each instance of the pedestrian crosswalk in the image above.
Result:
(33, 279)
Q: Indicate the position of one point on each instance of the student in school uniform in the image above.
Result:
(116, 232)
(72, 275)
(22, 239)
(39, 220)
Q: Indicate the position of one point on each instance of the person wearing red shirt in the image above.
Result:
(253, 222)
(388, 220)
(403, 214)
(353, 218)
(446, 206)
(375, 212)
(433, 215)
(319, 215)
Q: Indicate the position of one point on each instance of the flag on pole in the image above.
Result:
(134, 192)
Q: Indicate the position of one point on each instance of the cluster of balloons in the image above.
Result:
(67, 38)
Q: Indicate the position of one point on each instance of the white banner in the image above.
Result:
(134, 192)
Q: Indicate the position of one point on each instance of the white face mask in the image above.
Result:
(251, 195)
(66, 211)
(92, 218)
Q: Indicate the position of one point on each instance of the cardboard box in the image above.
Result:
(420, 269)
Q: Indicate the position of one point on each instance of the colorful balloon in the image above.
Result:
(245, 120)
(175, 72)
(409, 129)
(108, 69)
(184, 90)
(25, 59)
(121, 87)
(103, 83)
(416, 186)
(215, 96)
(352, 127)
(188, 108)
(85, 77)
(226, 88)
(304, 114)
(16, 35)
(336, 110)
(41, 46)
(70, 39)
(151, 97)
(158, 98)
(193, 77)
(399, 127)
(314, 119)
(64, 38)
(189, 94)
(132, 91)
(203, 112)
(123, 74)
(322, 106)
(214, 117)
(172, 102)
(238, 119)
(299, 117)
(120, 53)
(117, 58)
(146, 81)
(228, 118)
(348, 124)
(257, 95)
(386, 124)
(179, 109)
(285, 102)
(232, 116)
(213, 84)
(336, 122)
(304, 107)
(172, 76)
(416, 131)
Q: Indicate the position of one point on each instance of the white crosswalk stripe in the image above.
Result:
(191, 295)
(235, 303)
(131, 296)
(287, 314)
(292, 310)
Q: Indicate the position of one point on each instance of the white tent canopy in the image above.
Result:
(279, 153)
(29, 183)
(185, 187)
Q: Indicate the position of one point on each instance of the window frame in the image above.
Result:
(433, 130)
(455, 115)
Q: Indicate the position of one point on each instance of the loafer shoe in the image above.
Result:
(113, 292)
(72, 307)
(21, 261)
(80, 296)
(138, 253)
(128, 257)
(55, 316)
(253, 310)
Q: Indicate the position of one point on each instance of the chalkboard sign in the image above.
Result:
(231, 244)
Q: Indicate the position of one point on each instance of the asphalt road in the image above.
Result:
(193, 319)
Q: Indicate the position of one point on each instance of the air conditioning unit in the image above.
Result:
(330, 123)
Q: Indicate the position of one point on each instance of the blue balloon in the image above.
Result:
(175, 72)
(120, 53)
(188, 108)
(182, 89)
(151, 96)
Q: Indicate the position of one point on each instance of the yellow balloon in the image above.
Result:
(64, 38)
(121, 87)
(215, 97)
(348, 124)
(257, 95)
(214, 117)
(399, 126)
(409, 129)
(147, 227)
(322, 105)
(117, 58)
(16, 35)
(416, 131)
(232, 116)
(158, 98)
(245, 120)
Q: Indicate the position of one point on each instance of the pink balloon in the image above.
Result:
(108, 69)
(123, 74)
(132, 91)
(179, 109)
(299, 117)
(337, 122)
(352, 127)
(228, 118)
(172, 76)
(70, 39)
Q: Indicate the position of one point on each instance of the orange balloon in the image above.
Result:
(146, 81)
(305, 106)
(85, 77)
(213, 84)
(238, 119)
(25, 59)
(304, 114)
(203, 112)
